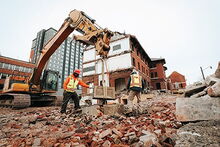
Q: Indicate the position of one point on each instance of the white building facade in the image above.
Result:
(118, 66)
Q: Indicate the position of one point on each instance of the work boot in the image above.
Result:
(77, 111)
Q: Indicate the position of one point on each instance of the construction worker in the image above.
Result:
(69, 86)
(135, 86)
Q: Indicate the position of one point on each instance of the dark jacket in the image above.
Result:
(139, 89)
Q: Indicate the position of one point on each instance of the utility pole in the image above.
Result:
(203, 70)
(202, 73)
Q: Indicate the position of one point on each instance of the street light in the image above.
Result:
(203, 70)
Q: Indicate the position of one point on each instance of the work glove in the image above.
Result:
(91, 86)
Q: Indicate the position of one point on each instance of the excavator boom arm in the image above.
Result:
(91, 35)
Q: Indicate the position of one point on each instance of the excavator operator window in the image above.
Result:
(50, 80)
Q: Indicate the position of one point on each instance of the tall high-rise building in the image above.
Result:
(65, 59)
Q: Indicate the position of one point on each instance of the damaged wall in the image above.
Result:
(126, 54)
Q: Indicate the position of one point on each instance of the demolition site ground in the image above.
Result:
(151, 123)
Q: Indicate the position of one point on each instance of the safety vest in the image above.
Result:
(136, 81)
(72, 84)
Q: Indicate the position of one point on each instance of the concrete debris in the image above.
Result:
(114, 109)
(93, 110)
(45, 126)
(204, 101)
(213, 84)
(37, 142)
(194, 89)
(204, 133)
(217, 72)
(210, 86)
(203, 108)
(148, 139)
(105, 133)
(211, 80)
(202, 93)
(214, 90)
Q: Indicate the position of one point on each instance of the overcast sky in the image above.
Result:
(184, 32)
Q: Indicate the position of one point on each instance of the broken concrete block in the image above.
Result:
(114, 109)
(214, 90)
(203, 133)
(107, 143)
(148, 139)
(217, 72)
(202, 93)
(211, 80)
(204, 108)
(117, 132)
(37, 142)
(193, 89)
(91, 110)
(105, 133)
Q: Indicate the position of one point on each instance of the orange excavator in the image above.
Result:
(39, 88)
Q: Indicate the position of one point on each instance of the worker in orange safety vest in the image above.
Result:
(135, 86)
(70, 86)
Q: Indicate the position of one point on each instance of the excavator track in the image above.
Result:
(15, 100)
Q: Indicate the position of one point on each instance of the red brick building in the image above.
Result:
(10, 66)
(177, 81)
(158, 75)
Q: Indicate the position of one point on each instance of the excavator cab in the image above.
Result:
(49, 82)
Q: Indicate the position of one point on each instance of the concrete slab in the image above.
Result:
(113, 109)
(203, 133)
(91, 110)
(194, 109)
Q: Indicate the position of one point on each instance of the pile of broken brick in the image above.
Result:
(46, 127)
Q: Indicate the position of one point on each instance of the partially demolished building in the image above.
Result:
(125, 55)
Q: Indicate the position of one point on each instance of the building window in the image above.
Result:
(6, 66)
(158, 86)
(21, 68)
(143, 70)
(1, 65)
(133, 62)
(139, 66)
(154, 75)
(90, 68)
(137, 53)
(4, 76)
(152, 65)
(117, 47)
